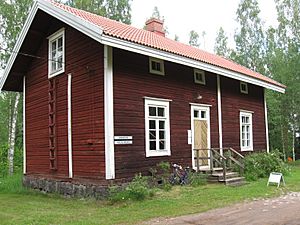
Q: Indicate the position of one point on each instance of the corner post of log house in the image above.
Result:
(70, 149)
(109, 113)
(220, 114)
(24, 125)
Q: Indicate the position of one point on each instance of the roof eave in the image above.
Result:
(149, 51)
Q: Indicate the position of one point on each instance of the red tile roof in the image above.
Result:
(129, 33)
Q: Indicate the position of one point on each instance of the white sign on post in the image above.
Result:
(276, 178)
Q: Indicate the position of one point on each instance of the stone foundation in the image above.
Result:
(66, 188)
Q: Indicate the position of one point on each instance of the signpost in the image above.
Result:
(276, 178)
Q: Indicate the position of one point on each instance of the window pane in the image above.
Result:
(152, 134)
(161, 124)
(162, 145)
(247, 129)
(53, 46)
(161, 112)
(59, 63)
(203, 114)
(151, 124)
(60, 42)
(247, 120)
(243, 143)
(196, 114)
(53, 65)
(152, 145)
(161, 134)
(152, 111)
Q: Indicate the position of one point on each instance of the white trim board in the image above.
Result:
(220, 114)
(24, 125)
(266, 122)
(70, 148)
(109, 113)
(96, 33)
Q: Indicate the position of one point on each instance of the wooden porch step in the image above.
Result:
(235, 181)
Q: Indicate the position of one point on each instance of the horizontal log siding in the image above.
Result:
(87, 105)
(84, 60)
(132, 82)
(232, 102)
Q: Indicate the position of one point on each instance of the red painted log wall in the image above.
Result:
(84, 60)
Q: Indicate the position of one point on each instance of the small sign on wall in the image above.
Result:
(276, 178)
(123, 140)
(189, 132)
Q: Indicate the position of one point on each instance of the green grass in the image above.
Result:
(22, 206)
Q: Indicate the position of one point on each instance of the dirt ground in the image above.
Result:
(281, 210)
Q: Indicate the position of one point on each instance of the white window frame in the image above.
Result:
(162, 66)
(246, 147)
(166, 105)
(244, 91)
(52, 38)
(202, 74)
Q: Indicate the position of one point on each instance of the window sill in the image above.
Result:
(158, 153)
(246, 149)
(54, 74)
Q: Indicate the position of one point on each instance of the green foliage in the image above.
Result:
(194, 39)
(18, 160)
(138, 189)
(160, 176)
(197, 179)
(260, 165)
(221, 44)
(119, 10)
(12, 184)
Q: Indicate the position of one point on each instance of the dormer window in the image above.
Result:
(56, 56)
(199, 76)
(244, 87)
(156, 66)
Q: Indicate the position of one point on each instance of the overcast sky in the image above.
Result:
(200, 15)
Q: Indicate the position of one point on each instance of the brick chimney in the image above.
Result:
(156, 26)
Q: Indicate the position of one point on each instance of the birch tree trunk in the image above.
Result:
(12, 135)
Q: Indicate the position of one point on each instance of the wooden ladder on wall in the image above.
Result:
(52, 124)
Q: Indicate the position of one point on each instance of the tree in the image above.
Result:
(203, 34)
(176, 37)
(194, 39)
(249, 37)
(221, 44)
(156, 13)
(119, 10)
(283, 63)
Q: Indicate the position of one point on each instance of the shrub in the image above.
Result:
(160, 176)
(259, 165)
(138, 189)
(196, 179)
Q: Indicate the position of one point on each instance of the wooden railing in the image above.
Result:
(228, 159)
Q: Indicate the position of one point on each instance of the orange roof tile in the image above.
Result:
(129, 33)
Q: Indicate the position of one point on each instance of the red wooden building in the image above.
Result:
(104, 100)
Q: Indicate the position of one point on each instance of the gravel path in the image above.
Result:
(281, 210)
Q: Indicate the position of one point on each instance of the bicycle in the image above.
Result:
(179, 175)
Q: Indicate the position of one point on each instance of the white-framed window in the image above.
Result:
(56, 54)
(199, 76)
(246, 135)
(244, 87)
(157, 127)
(156, 66)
